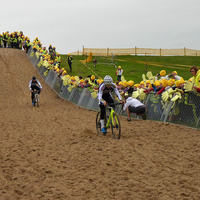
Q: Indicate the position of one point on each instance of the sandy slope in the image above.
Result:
(53, 152)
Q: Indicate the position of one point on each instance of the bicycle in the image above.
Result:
(111, 121)
(36, 98)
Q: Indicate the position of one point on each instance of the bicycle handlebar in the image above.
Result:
(113, 104)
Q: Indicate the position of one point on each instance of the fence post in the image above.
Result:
(107, 51)
(135, 51)
(83, 50)
(160, 52)
(184, 51)
(168, 111)
(145, 62)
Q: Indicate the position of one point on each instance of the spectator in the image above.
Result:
(53, 53)
(5, 39)
(129, 89)
(162, 75)
(1, 40)
(174, 75)
(86, 84)
(44, 50)
(196, 75)
(119, 73)
(59, 59)
(196, 88)
(70, 60)
(133, 105)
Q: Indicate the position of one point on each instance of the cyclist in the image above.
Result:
(105, 97)
(34, 84)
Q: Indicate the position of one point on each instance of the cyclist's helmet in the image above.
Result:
(108, 80)
(33, 78)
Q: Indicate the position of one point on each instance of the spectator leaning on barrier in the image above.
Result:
(196, 88)
(162, 75)
(93, 82)
(174, 75)
(160, 88)
(196, 75)
(129, 90)
(133, 105)
(119, 73)
(147, 85)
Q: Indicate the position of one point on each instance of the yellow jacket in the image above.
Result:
(197, 79)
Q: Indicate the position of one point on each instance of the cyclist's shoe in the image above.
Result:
(144, 116)
(33, 103)
(129, 119)
(103, 130)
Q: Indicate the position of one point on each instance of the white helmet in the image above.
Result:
(108, 80)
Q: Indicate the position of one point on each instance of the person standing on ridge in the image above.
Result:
(119, 73)
(59, 59)
(70, 60)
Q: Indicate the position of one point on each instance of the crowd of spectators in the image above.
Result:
(157, 84)
(51, 59)
(16, 40)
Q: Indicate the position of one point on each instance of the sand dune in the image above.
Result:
(53, 152)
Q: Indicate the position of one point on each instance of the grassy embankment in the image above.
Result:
(133, 66)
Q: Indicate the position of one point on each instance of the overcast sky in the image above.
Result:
(70, 25)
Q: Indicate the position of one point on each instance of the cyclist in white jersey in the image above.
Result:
(105, 97)
(34, 84)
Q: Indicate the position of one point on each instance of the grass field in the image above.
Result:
(133, 66)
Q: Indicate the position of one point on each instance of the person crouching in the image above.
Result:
(132, 105)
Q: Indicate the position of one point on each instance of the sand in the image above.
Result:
(53, 152)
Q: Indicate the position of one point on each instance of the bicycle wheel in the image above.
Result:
(116, 127)
(98, 123)
(37, 100)
(33, 100)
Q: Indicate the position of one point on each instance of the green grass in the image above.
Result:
(133, 66)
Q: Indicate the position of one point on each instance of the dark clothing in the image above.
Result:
(108, 98)
(137, 110)
(5, 38)
(50, 49)
(70, 59)
(34, 85)
(36, 88)
(119, 77)
(104, 94)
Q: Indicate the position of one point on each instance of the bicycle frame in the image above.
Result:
(36, 97)
(110, 119)
(111, 122)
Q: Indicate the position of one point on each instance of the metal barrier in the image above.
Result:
(185, 111)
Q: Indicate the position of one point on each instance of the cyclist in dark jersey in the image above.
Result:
(34, 84)
(105, 97)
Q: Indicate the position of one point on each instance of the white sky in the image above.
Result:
(70, 25)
